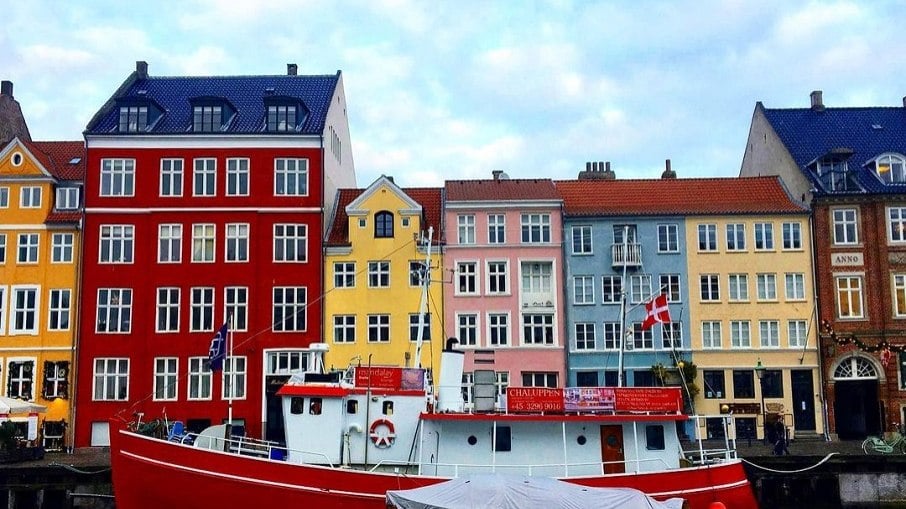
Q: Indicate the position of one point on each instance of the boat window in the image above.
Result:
(714, 426)
(314, 408)
(502, 440)
(388, 408)
(352, 406)
(296, 405)
(472, 440)
(655, 437)
(581, 440)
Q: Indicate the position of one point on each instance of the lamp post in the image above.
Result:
(759, 372)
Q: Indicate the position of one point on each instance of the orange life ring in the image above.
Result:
(382, 440)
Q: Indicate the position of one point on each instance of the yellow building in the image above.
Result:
(752, 315)
(375, 250)
(40, 213)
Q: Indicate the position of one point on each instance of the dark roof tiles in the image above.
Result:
(430, 198)
(501, 190)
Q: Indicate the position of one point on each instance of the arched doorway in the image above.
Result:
(856, 409)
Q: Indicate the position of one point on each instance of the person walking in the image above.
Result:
(780, 444)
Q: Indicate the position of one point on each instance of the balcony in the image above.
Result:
(626, 255)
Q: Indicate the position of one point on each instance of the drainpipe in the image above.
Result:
(821, 381)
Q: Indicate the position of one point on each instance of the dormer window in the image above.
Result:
(207, 119)
(67, 198)
(890, 168)
(133, 119)
(832, 170)
(281, 118)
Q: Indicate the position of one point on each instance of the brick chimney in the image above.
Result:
(6, 88)
(817, 101)
(141, 69)
(668, 173)
(292, 69)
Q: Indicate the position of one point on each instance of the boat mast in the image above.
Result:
(623, 332)
(424, 280)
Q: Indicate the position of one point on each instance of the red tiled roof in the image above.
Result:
(69, 216)
(430, 198)
(744, 195)
(501, 190)
(56, 156)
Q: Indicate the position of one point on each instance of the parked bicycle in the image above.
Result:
(877, 445)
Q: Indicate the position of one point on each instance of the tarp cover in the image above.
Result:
(519, 492)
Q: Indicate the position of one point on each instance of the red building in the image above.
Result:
(205, 204)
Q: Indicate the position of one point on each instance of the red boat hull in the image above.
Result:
(150, 474)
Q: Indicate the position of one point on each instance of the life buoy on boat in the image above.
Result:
(382, 440)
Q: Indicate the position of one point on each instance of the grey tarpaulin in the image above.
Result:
(519, 492)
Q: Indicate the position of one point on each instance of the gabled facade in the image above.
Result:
(849, 166)
(736, 272)
(206, 199)
(375, 254)
(40, 243)
(504, 262)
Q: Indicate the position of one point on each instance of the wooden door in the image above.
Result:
(612, 449)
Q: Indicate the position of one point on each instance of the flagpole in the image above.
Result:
(231, 378)
(623, 331)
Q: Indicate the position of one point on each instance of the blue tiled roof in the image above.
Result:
(245, 93)
(809, 134)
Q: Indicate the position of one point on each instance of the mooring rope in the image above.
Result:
(76, 470)
(806, 469)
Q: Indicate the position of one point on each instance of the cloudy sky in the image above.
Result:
(456, 89)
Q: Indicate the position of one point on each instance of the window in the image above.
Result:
(585, 336)
(667, 238)
(899, 294)
(281, 118)
(117, 243)
(378, 274)
(707, 237)
(769, 332)
(795, 286)
(4, 197)
(237, 177)
(499, 329)
(117, 177)
(583, 290)
(207, 119)
(582, 240)
(465, 227)
(133, 119)
(289, 309)
(736, 237)
(405, 222)
(414, 320)
(612, 289)
(114, 310)
(891, 169)
(200, 376)
(3, 296)
(536, 277)
(201, 310)
(344, 274)
(743, 384)
(670, 284)
(234, 375)
(344, 328)
(548, 380)
(290, 243)
(797, 332)
(538, 329)
(497, 278)
(467, 328)
(654, 437)
(378, 328)
(902, 359)
(30, 198)
(165, 377)
(28, 248)
(61, 247)
(204, 177)
(416, 273)
(764, 236)
(714, 384)
(383, 225)
(710, 287)
(642, 339)
(613, 336)
(466, 278)
(846, 227)
(111, 379)
(792, 236)
(849, 296)
(24, 312)
(738, 287)
(640, 288)
(20, 379)
(536, 228)
(630, 233)
(767, 286)
(897, 223)
(167, 310)
(169, 243)
(56, 383)
(291, 177)
(496, 229)
(2, 248)
(171, 177)
(711, 334)
(772, 383)
(59, 308)
(236, 305)
(237, 242)
(672, 335)
(740, 334)
(67, 198)
(202, 242)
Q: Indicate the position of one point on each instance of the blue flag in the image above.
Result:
(217, 353)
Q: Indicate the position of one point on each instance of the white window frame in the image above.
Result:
(201, 309)
(199, 386)
(466, 278)
(67, 198)
(898, 285)
(712, 335)
(845, 223)
(583, 290)
(344, 274)
(19, 326)
(30, 197)
(2, 248)
(709, 283)
(378, 328)
(166, 379)
(536, 228)
(613, 282)
(738, 287)
(671, 284)
(585, 336)
(792, 236)
(114, 306)
(736, 237)
(769, 333)
(169, 243)
(896, 225)
(794, 286)
(854, 295)
(28, 247)
(764, 236)
(496, 229)
(172, 177)
(379, 274)
(4, 197)
(672, 335)
(612, 336)
(668, 235)
(3, 294)
(496, 277)
(797, 333)
(62, 245)
(538, 329)
(465, 228)
(204, 177)
(168, 301)
(499, 329)
(344, 328)
(290, 243)
(290, 176)
(234, 378)
(890, 168)
(115, 377)
(582, 242)
(290, 309)
(116, 239)
(740, 334)
(766, 287)
(707, 238)
(467, 329)
(59, 309)
(20, 378)
(204, 242)
(118, 177)
(639, 288)
(236, 305)
(237, 175)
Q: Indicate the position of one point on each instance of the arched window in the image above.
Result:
(383, 225)
(855, 368)
(891, 168)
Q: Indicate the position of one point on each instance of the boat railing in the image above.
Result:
(719, 448)
(248, 446)
(547, 469)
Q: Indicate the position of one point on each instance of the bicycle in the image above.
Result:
(879, 445)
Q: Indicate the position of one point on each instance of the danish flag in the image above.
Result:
(657, 311)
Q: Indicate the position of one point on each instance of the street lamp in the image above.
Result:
(759, 372)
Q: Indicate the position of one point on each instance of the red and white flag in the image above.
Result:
(657, 311)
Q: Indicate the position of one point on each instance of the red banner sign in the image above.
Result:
(534, 399)
(588, 399)
(594, 399)
(648, 399)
